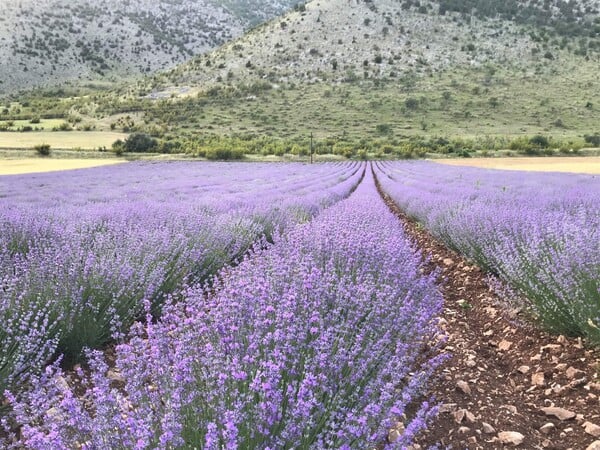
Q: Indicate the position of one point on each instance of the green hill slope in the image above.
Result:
(386, 76)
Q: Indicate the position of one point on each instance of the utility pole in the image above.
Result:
(311, 147)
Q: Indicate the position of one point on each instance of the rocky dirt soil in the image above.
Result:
(506, 384)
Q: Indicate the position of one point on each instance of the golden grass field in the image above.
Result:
(60, 139)
(32, 165)
(578, 164)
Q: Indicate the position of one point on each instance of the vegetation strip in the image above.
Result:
(503, 370)
(317, 341)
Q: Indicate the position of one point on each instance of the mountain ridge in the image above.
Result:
(49, 42)
(382, 39)
(399, 76)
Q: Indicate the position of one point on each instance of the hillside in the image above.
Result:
(402, 77)
(43, 43)
(342, 40)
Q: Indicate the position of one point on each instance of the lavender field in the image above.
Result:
(538, 232)
(267, 306)
(81, 251)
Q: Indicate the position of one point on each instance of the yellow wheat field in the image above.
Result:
(32, 165)
(60, 139)
(578, 164)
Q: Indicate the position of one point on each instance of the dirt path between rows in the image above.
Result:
(507, 384)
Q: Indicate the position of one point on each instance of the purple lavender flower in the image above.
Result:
(314, 341)
(539, 232)
(80, 251)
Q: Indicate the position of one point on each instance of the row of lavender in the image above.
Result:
(539, 232)
(317, 341)
(80, 252)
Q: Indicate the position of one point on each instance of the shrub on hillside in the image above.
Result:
(540, 141)
(118, 147)
(383, 128)
(593, 139)
(411, 103)
(535, 145)
(224, 154)
(140, 143)
(65, 126)
(42, 149)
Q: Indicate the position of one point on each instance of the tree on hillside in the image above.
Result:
(140, 143)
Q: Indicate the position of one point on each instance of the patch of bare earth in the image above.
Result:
(507, 384)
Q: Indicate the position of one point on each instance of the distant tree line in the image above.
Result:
(218, 147)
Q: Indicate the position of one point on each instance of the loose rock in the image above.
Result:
(573, 373)
(470, 417)
(459, 415)
(547, 428)
(537, 379)
(448, 408)
(551, 348)
(464, 387)
(594, 446)
(511, 437)
(592, 429)
(115, 375)
(577, 383)
(487, 428)
(510, 408)
(393, 436)
(559, 413)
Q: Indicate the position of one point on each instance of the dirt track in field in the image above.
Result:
(503, 370)
(577, 164)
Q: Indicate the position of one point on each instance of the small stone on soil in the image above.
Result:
(547, 428)
(448, 408)
(592, 429)
(511, 437)
(464, 387)
(487, 428)
(559, 413)
(537, 379)
(551, 348)
(573, 373)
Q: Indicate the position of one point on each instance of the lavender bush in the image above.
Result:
(540, 232)
(316, 341)
(81, 251)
